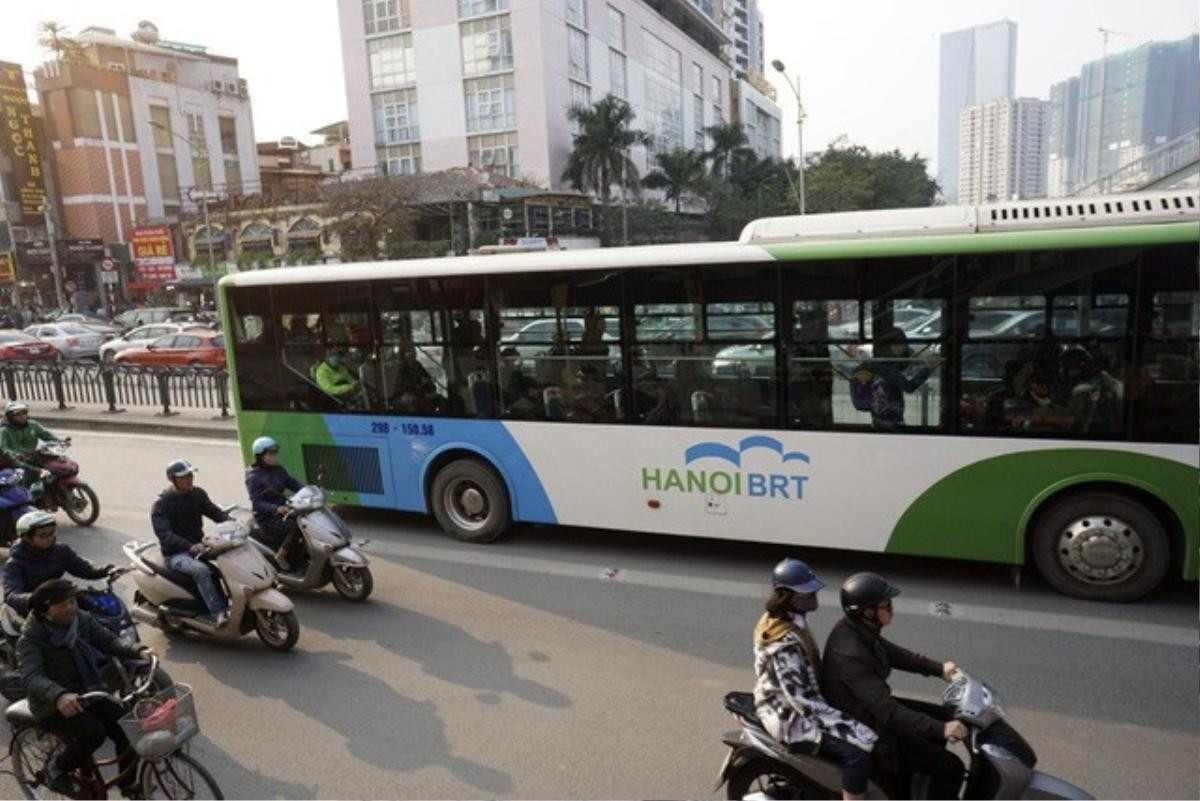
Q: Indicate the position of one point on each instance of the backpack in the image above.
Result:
(862, 387)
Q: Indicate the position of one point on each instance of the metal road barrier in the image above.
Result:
(118, 385)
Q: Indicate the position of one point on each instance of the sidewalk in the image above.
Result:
(136, 420)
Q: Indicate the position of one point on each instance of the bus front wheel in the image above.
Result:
(1101, 546)
(469, 501)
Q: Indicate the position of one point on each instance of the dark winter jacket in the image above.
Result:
(178, 519)
(28, 567)
(854, 675)
(48, 670)
(891, 382)
(266, 485)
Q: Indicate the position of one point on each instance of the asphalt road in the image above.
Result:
(568, 663)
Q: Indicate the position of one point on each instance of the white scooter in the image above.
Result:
(328, 554)
(170, 600)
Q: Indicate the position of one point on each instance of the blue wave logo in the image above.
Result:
(717, 450)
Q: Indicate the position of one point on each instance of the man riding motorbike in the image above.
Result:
(912, 734)
(61, 655)
(266, 482)
(20, 436)
(178, 524)
(37, 558)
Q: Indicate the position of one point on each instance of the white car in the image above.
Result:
(74, 341)
(143, 335)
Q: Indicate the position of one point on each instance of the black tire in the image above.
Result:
(179, 775)
(469, 501)
(1101, 546)
(267, 625)
(81, 504)
(29, 750)
(353, 583)
(773, 779)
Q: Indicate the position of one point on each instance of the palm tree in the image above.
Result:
(53, 37)
(600, 148)
(677, 172)
(728, 139)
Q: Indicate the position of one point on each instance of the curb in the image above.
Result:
(134, 426)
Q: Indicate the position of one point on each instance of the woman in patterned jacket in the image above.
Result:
(787, 694)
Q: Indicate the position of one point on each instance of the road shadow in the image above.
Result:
(238, 782)
(379, 725)
(443, 650)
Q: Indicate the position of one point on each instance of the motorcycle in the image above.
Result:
(15, 500)
(329, 555)
(102, 604)
(1001, 761)
(169, 599)
(63, 488)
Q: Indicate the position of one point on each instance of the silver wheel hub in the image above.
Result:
(1100, 549)
(467, 504)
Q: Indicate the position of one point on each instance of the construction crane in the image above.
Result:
(1107, 32)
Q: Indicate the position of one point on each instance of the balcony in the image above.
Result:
(687, 17)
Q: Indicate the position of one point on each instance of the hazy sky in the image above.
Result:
(868, 67)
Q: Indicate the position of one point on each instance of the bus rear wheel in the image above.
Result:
(1101, 546)
(469, 501)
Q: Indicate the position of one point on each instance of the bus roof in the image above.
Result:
(1104, 221)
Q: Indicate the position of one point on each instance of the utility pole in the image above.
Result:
(55, 269)
(207, 227)
(795, 87)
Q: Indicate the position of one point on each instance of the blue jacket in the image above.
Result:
(891, 382)
(178, 519)
(28, 568)
(266, 485)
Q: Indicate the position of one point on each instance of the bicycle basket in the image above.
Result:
(161, 725)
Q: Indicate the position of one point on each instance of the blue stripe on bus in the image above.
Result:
(407, 445)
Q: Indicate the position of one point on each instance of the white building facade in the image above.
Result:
(435, 84)
(1002, 151)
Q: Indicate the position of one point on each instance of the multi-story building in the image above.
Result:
(976, 65)
(1002, 151)
(755, 108)
(140, 127)
(746, 28)
(333, 154)
(1122, 107)
(437, 84)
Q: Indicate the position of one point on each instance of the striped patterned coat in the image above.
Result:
(787, 693)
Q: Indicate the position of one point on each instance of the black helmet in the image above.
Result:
(864, 590)
(794, 575)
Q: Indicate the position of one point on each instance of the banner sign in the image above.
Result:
(7, 273)
(153, 253)
(82, 251)
(18, 141)
(35, 253)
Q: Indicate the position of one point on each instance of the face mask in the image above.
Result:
(804, 603)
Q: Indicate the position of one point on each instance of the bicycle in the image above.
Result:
(158, 726)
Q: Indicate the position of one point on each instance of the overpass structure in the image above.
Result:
(1175, 164)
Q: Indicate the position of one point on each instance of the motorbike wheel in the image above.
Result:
(81, 504)
(353, 583)
(766, 778)
(278, 630)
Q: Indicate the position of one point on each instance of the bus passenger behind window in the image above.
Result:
(892, 381)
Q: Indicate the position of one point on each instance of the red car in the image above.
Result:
(17, 346)
(184, 349)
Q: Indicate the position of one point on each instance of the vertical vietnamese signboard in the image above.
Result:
(153, 253)
(19, 141)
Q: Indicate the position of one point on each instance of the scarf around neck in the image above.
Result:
(88, 658)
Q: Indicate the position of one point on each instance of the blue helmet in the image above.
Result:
(262, 445)
(794, 575)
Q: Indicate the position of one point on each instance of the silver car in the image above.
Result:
(74, 341)
(143, 335)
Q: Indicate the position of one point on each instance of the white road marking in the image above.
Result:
(925, 607)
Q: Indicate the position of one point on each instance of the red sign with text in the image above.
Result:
(153, 253)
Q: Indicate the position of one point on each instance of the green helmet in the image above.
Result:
(34, 520)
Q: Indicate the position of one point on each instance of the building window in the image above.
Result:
(383, 16)
(664, 93)
(475, 8)
(486, 45)
(616, 29)
(491, 103)
(201, 168)
(396, 117)
(497, 152)
(160, 123)
(577, 55)
(168, 178)
(581, 95)
(716, 90)
(697, 79)
(229, 151)
(399, 159)
(618, 82)
(577, 12)
(698, 122)
(391, 61)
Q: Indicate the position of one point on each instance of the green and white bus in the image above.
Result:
(1009, 383)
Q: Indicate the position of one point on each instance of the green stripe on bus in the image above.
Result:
(981, 511)
(1117, 236)
(291, 430)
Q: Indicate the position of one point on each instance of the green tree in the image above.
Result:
(54, 37)
(728, 140)
(600, 149)
(853, 178)
(678, 173)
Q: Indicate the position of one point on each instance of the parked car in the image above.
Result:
(73, 340)
(17, 346)
(135, 318)
(144, 336)
(102, 327)
(188, 348)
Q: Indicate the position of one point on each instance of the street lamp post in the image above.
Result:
(55, 268)
(795, 87)
(203, 194)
